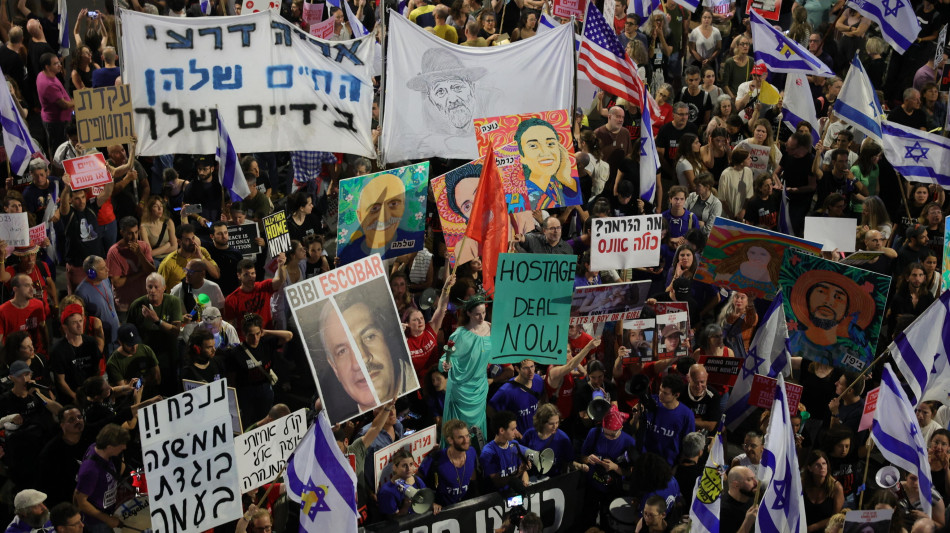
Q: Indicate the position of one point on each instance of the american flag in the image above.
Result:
(605, 62)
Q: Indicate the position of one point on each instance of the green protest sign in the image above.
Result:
(532, 307)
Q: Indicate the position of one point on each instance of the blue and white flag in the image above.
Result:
(857, 102)
(916, 154)
(784, 216)
(16, 136)
(643, 8)
(897, 434)
(898, 22)
(321, 480)
(782, 509)
(768, 355)
(649, 158)
(782, 54)
(800, 105)
(356, 27)
(205, 6)
(547, 23)
(62, 25)
(230, 172)
(704, 512)
(917, 349)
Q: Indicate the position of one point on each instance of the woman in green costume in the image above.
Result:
(466, 361)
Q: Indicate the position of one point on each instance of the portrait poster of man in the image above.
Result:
(351, 331)
(382, 213)
(454, 194)
(870, 521)
(608, 303)
(743, 257)
(834, 311)
(546, 148)
(672, 334)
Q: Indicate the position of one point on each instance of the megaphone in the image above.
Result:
(542, 460)
(428, 298)
(599, 406)
(421, 499)
(889, 477)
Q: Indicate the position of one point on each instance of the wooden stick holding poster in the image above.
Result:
(625, 242)
(277, 234)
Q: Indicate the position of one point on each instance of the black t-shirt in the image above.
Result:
(213, 372)
(698, 105)
(764, 213)
(829, 184)
(917, 119)
(245, 371)
(732, 513)
(706, 408)
(227, 261)
(795, 172)
(75, 363)
(58, 465)
(668, 138)
(208, 194)
(83, 235)
(12, 65)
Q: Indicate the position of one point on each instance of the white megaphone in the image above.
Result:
(889, 477)
(421, 498)
(428, 299)
(542, 460)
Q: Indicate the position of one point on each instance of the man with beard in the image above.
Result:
(201, 364)
(380, 210)
(451, 471)
(205, 191)
(832, 313)
(172, 267)
(31, 513)
(60, 459)
(737, 499)
(226, 258)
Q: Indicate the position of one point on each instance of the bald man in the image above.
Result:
(701, 400)
(737, 499)
(615, 142)
(874, 241)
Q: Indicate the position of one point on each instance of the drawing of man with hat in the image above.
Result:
(832, 313)
(448, 90)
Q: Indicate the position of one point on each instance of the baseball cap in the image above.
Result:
(129, 334)
(18, 368)
(669, 330)
(681, 287)
(760, 69)
(29, 497)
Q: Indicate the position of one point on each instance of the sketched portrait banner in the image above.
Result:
(383, 213)
(351, 332)
(546, 147)
(745, 258)
(834, 311)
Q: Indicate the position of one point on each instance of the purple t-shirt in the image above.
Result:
(50, 90)
(97, 479)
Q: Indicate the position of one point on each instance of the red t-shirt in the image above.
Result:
(106, 214)
(422, 350)
(31, 318)
(578, 343)
(257, 301)
(39, 274)
(564, 396)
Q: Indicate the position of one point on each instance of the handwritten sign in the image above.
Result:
(758, 158)
(763, 393)
(870, 405)
(187, 384)
(769, 9)
(323, 30)
(277, 234)
(15, 229)
(419, 443)
(38, 234)
(625, 242)
(87, 171)
(256, 6)
(312, 12)
(263, 452)
(532, 307)
(569, 8)
(241, 239)
(190, 432)
(104, 116)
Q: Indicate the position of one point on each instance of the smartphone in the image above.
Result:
(515, 501)
(192, 209)
(138, 384)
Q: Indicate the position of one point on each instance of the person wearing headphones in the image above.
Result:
(96, 291)
(200, 363)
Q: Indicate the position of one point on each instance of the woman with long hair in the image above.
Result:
(527, 26)
(717, 150)
(737, 69)
(938, 455)
(157, 229)
(709, 84)
(399, 284)
(762, 135)
(866, 171)
(704, 203)
(800, 28)
(598, 168)
(736, 184)
(690, 162)
(458, 16)
(826, 102)
(824, 496)
(465, 360)
(842, 463)
(705, 42)
(684, 266)
(18, 346)
(302, 220)
(931, 274)
(738, 320)
(82, 67)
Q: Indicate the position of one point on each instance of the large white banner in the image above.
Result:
(625, 242)
(188, 449)
(277, 88)
(435, 89)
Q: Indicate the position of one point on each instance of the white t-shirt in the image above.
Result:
(705, 46)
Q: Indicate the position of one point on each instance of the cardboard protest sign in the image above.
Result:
(419, 443)
(833, 233)
(454, 194)
(15, 229)
(190, 431)
(347, 319)
(672, 332)
(104, 116)
(723, 371)
(870, 405)
(569, 8)
(625, 242)
(87, 171)
(276, 233)
(256, 6)
(834, 311)
(241, 238)
(945, 271)
(637, 340)
(262, 453)
(769, 9)
(873, 521)
(758, 157)
(763, 393)
(608, 303)
(546, 147)
(233, 408)
(324, 29)
(532, 307)
(742, 257)
(38, 234)
(383, 213)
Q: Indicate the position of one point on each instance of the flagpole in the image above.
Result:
(381, 27)
(458, 251)
(867, 465)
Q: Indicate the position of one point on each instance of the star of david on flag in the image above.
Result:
(783, 505)
(896, 18)
(916, 154)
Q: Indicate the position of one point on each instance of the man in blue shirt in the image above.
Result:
(501, 460)
(670, 423)
(520, 395)
(451, 471)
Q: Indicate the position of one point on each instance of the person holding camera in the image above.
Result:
(605, 456)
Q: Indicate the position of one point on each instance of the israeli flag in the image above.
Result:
(707, 494)
(205, 6)
(920, 347)
(898, 22)
(799, 104)
(897, 434)
(916, 154)
(62, 24)
(643, 8)
(16, 136)
(546, 23)
(857, 102)
(356, 27)
(783, 506)
(649, 159)
(229, 168)
(781, 54)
